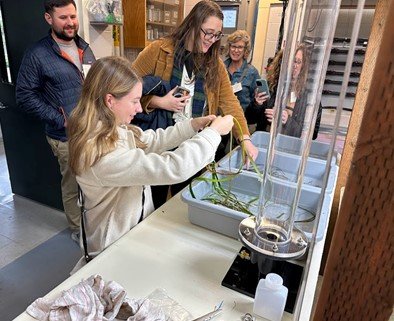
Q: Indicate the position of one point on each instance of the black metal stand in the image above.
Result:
(247, 269)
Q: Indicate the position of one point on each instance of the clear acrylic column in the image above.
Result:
(308, 40)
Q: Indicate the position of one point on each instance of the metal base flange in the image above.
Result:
(294, 248)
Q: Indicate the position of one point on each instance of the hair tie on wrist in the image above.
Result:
(242, 140)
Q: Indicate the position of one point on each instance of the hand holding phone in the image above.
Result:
(262, 86)
(181, 92)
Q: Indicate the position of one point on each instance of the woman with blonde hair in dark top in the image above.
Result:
(256, 114)
(293, 116)
(294, 113)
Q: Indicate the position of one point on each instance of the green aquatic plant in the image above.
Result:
(223, 195)
(307, 220)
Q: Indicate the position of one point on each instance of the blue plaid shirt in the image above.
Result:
(247, 76)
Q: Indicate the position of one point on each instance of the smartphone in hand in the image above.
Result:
(181, 92)
(262, 86)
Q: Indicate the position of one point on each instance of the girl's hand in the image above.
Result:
(269, 113)
(202, 122)
(169, 102)
(250, 149)
(260, 98)
(223, 125)
(285, 117)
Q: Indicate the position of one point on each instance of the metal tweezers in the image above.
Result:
(216, 311)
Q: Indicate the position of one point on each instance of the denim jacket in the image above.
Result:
(247, 75)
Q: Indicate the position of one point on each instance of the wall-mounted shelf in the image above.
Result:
(148, 20)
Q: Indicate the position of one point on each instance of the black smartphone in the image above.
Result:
(262, 86)
(181, 92)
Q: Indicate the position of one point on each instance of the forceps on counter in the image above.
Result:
(216, 311)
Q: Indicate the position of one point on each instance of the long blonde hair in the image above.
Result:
(92, 128)
(273, 72)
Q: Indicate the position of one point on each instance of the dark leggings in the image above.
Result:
(159, 195)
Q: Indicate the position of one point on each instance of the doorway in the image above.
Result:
(33, 170)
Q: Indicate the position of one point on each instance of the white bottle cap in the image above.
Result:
(273, 281)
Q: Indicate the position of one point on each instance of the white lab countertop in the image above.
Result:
(167, 251)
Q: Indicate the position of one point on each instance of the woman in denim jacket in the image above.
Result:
(243, 78)
(243, 75)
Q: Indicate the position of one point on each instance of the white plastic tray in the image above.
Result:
(291, 145)
(226, 221)
(286, 166)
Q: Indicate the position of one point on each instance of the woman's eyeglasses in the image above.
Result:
(239, 48)
(210, 35)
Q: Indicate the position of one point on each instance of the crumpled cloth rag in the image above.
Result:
(94, 299)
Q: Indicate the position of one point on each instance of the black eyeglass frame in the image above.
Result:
(234, 47)
(210, 35)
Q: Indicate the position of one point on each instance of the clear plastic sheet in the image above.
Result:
(173, 311)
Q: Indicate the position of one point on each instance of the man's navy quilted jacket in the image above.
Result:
(49, 84)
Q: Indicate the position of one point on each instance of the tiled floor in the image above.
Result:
(24, 224)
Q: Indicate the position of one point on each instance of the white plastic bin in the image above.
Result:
(286, 167)
(246, 186)
(291, 145)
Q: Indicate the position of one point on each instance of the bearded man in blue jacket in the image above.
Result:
(49, 85)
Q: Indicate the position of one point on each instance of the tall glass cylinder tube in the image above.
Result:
(310, 31)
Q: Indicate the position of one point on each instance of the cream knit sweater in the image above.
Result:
(113, 187)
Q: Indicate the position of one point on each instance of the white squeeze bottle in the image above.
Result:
(270, 298)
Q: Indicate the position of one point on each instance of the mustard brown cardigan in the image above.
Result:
(157, 59)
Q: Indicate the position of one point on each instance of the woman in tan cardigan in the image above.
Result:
(189, 57)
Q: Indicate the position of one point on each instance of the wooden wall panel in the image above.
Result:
(358, 279)
(363, 91)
